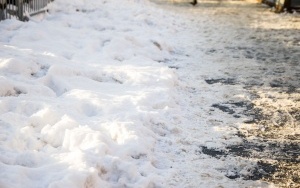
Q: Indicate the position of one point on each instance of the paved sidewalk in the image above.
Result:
(240, 87)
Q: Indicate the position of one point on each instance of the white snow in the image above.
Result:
(88, 99)
(81, 89)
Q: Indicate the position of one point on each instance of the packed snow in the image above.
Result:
(105, 94)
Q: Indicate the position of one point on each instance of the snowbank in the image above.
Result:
(83, 94)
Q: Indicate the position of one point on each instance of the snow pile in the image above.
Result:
(83, 94)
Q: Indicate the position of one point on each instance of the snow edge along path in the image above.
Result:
(84, 99)
(202, 127)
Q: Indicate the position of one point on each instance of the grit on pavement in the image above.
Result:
(240, 78)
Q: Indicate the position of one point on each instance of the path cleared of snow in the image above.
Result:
(239, 96)
(130, 94)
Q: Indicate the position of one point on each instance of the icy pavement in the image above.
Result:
(136, 94)
(241, 76)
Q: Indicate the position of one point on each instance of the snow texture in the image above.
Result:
(106, 94)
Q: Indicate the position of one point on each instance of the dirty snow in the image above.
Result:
(141, 94)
